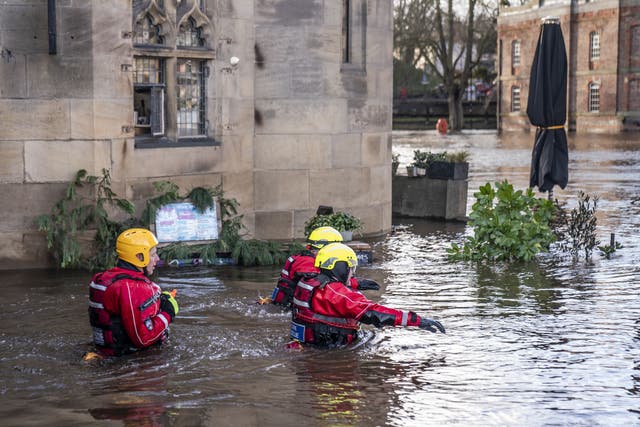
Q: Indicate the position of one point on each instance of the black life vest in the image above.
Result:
(311, 327)
(109, 335)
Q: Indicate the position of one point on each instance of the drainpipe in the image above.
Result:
(51, 21)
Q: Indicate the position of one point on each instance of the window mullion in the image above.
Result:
(171, 96)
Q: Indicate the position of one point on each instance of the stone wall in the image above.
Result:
(323, 135)
(294, 126)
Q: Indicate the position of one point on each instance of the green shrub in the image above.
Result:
(577, 231)
(341, 221)
(507, 225)
(421, 159)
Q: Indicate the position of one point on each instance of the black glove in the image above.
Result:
(169, 304)
(429, 324)
(366, 284)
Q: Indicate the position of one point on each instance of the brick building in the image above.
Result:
(602, 41)
(285, 104)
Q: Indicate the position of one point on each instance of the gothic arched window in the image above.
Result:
(147, 33)
(190, 35)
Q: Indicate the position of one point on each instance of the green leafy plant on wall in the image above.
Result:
(507, 225)
(89, 199)
(84, 207)
(230, 243)
(341, 221)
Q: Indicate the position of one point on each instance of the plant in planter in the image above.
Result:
(422, 160)
(395, 162)
(458, 156)
(341, 221)
(449, 166)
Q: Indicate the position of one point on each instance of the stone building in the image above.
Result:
(602, 40)
(285, 104)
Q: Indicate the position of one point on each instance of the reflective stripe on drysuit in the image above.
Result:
(294, 268)
(124, 311)
(323, 301)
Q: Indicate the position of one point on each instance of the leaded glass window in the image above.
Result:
(148, 96)
(515, 99)
(594, 97)
(190, 90)
(594, 46)
(147, 33)
(148, 70)
(515, 53)
(190, 35)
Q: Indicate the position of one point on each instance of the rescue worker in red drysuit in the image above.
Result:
(127, 311)
(327, 313)
(303, 263)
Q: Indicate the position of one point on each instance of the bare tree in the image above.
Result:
(449, 38)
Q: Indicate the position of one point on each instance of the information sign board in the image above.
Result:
(181, 222)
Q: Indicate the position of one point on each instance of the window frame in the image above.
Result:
(202, 108)
(593, 101)
(594, 46)
(162, 128)
(192, 29)
(155, 87)
(515, 53)
(354, 37)
(347, 57)
(149, 20)
(515, 99)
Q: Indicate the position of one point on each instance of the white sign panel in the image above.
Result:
(180, 222)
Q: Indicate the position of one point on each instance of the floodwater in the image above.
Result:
(551, 342)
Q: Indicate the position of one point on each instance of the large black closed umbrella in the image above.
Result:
(547, 109)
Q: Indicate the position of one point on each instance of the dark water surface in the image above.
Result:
(551, 342)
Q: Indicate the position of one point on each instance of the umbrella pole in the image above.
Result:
(550, 195)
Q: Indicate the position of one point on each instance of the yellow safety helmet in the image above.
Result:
(322, 236)
(334, 252)
(135, 241)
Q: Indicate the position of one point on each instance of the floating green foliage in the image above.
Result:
(258, 252)
(507, 224)
(608, 250)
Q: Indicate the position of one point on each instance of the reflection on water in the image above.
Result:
(551, 342)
